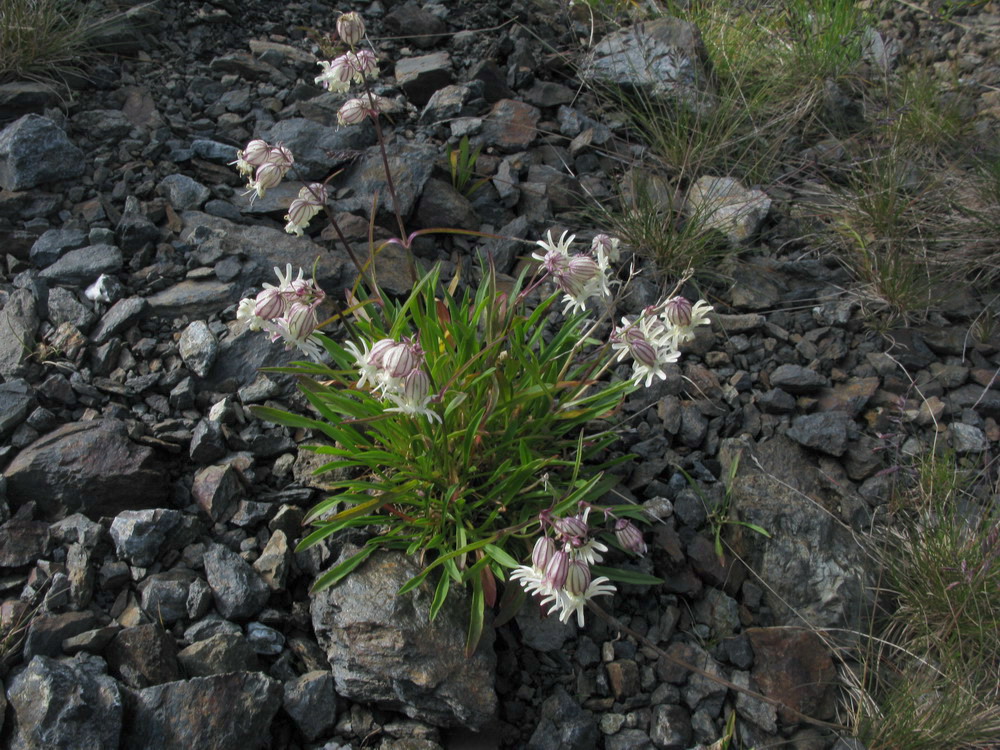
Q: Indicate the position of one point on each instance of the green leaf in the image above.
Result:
(500, 556)
(476, 609)
(440, 593)
(333, 576)
(625, 576)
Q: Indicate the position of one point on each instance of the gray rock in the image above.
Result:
(312, 703)
(211, 626)
(104, 126)
(539, 631)
(425, 673)
(445, 103)
(91, 467)
(411, 166)
(63, 705)
(47, 633)
(665, 58)
(266, 248)
(775, 401)
(218, 654)
(505, 248)
(216, 489)
(629, 739)
(64, 307)
(183, 192)
(34, 150)
(221, 153)
(274, 561)
(441, 205)
(239, 592)
(796, 379)
(563, 723)
(143, 656)
(80, 267)
(138, 534)
(16, 401)
(264, 640)
(421, 76)
(967, 438)
(19, 324)
(23, 97)
(312, 143)
(723, 203)
(511, 126)
(23, 542)
(415, 24)
(54, 243)
(826, 431)
(670, 728)
(812, 565)
(207, 442)
(165, 595)
(198, 348)
(119, 318)
(193, 298)
(135, 231)
(221, 712)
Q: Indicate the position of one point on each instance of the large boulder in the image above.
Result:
(384, 649)
(64, 705)
(813, 568)
(90, 467)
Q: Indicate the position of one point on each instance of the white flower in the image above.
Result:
(414, 395)
(367, 369)
(680, 334)
(589, 552)
(246, 311)
(553, 248)
(337, 74)
(568, 603)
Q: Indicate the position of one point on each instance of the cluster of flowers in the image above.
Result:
(396, 369)
(560, 573)
(264, 165)
(579, 276)
(286, 311)
(653, 340)
(354, 66)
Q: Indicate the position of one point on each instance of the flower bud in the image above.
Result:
(416, 386)
(314, 194)
(543, 551)
(677, 311)
(629, 537)
(267, 177)
(365, 64)
(270, 304)
(301, 320)
(577, 578)
(378, 351)
(556, 570)
(399, 360)
(281, 156)
(256, 152)
(572, 528)
(579, 272)
(353, 112)
(642, 352)
(300, 213)
(351, 28)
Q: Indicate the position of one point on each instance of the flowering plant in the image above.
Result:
(473, 426)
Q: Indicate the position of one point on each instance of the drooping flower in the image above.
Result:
(605, 250)
(698, 316)
(629, 537)
(553, 248)
(579, 589)
(413, 395)
(365, 64)
(337, 74)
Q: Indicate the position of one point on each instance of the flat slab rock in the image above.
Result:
(384, 649)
